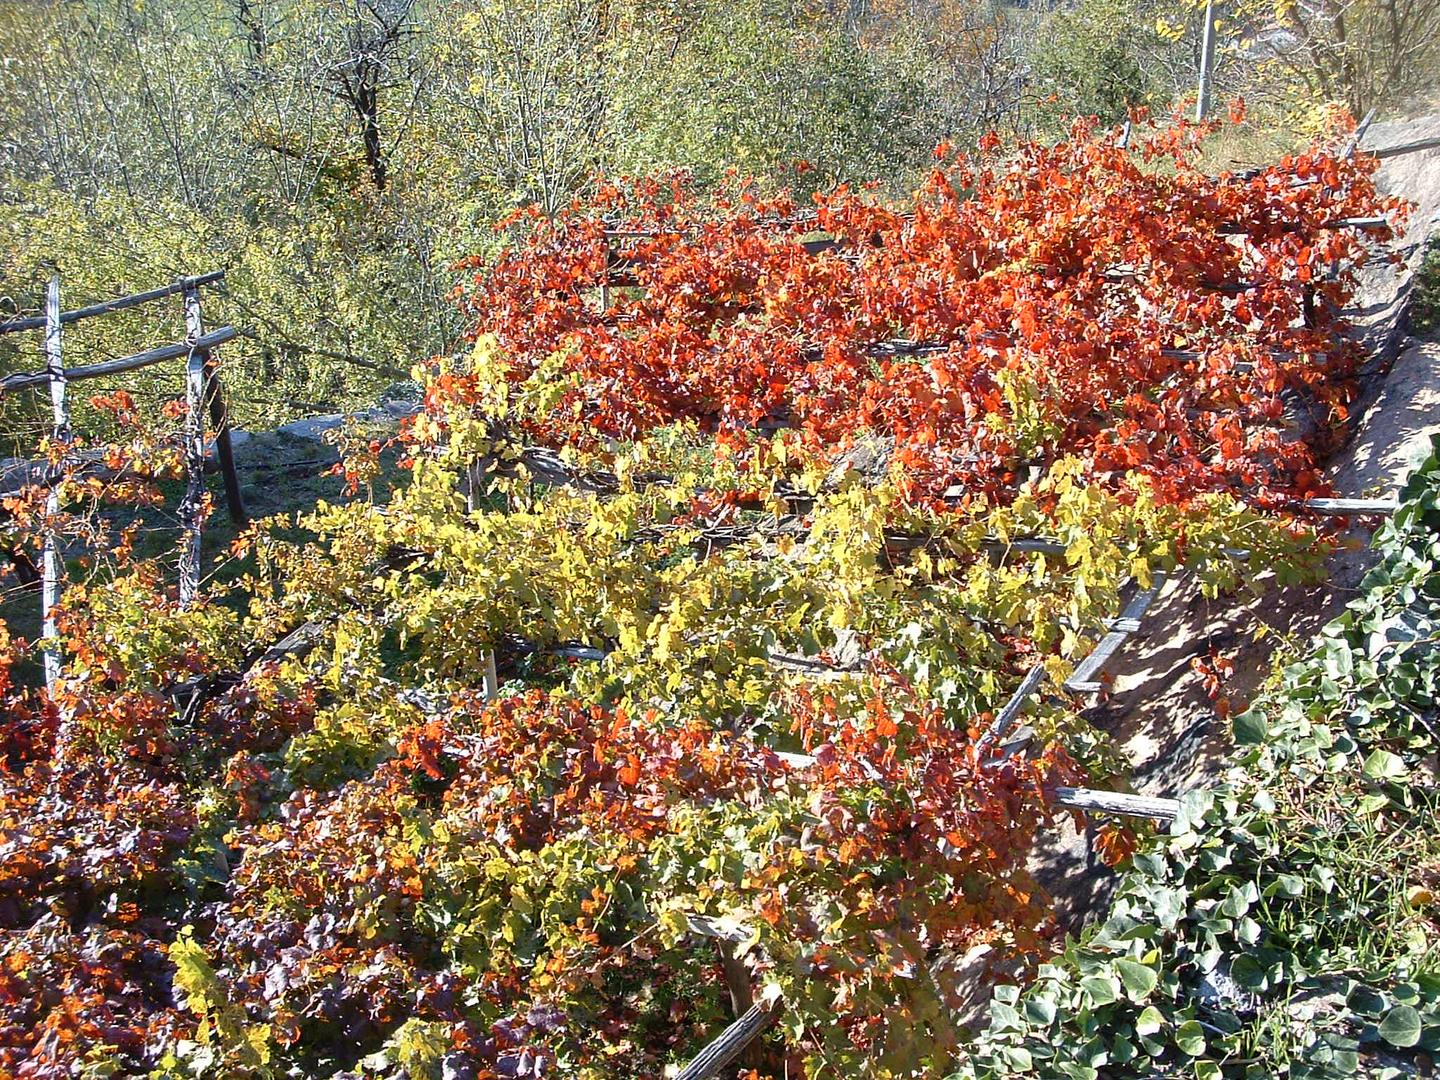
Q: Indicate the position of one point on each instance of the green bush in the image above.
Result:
(1425, 299)
(1284, 925)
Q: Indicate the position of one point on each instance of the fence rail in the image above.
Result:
(204, 343)
(37, 322)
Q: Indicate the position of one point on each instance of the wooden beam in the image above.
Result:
(1030, 545)
(1085, 678)
(577, 652)
(295, 645)
(1089, 799)
(26, 380)
(1115, 802)
(191, 696)
(1007, 716)
(1353, 143)
(795, 761)
(732, 1042)
(1346, 507)
(36, 322)
(698, 924)
(1404, 148)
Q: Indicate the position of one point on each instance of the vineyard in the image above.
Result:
(667, 718)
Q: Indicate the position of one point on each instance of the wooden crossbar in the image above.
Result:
(1346, 507)
(26, 380)
(1005, 719)
(1085, 678)
(37, 322)
(1404, 148)
(1091, 800)
(1088, 799)
(732, 1042)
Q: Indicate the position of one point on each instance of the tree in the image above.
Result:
(524, 82)
(1105, 57)
(374, 36)
(1359, 54)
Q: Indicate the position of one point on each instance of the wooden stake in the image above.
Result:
(1207, 62)
(492, 680)
(192, 509)
(605, 278)
(53, 563)
(224, 449)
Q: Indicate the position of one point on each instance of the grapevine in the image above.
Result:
(766, 467)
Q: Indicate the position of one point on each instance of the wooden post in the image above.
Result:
(224, 451)
(53, 563)
(475, 474)
(492, 680)
(474, 477)
(192, 510)
(605, 278)
(1207, 62)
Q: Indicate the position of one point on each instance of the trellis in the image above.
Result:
(203, 396)
(752, 1022)
(203, 392)
(1086, 678)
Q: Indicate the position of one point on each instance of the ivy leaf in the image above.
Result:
(1248, 972)
(1250, 727)
(1040, 1010)
(1401, 1026)
(1383, 765)
(1017, 1059)
(1100, 989)
(1139, 979)
(1150, 1021)
(1190, 1038)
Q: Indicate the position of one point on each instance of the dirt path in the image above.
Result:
(1156, 709)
